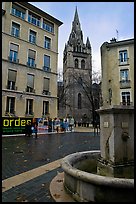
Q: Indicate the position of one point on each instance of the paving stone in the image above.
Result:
(46, 149)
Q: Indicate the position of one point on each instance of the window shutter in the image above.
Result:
(30, 81)
(12, 75)
(14, 47)
(31, 54)
(46, 84)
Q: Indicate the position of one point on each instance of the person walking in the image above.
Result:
(35, 130)
(57, 124)
(28, 129)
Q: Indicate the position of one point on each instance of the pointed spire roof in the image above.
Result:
(76, 22)
(76, 18)
(88, 43)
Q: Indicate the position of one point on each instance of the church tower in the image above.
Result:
(77, 68)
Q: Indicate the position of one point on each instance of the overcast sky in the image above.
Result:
(99, 21)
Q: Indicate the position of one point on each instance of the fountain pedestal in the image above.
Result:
(116, 142)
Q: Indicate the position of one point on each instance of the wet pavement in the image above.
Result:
(21, 154)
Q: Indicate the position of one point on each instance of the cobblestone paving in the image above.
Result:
(36, 190)
(20, 154)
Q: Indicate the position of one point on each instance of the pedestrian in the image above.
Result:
(71, 124)
(28, 129)
(35, 130)
(57, 124)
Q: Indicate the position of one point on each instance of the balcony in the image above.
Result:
(13, 87)
(124, 62)
(125, 84)
(46, 69)
(14, 60)
(30, 90)
(30, 114)
(31, 65)
(10, 114)
(45, 92)
(126, 103)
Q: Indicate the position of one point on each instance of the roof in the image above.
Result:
(118, 43)
(40, 12)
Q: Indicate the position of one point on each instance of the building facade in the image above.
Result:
(117, 61)
(29, 61)
(77, 68)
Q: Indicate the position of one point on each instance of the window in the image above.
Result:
(13, 56)
(46, 82)
(46, 63)
(79, 101)
(48, 26)
(32, 37)
(33, 19)
(30, 83)
(18, 11)
(11, 79)
(123, 56)
(10, 105)
(47, 43)
(31, 58)
(126, 98)
(83, 64)
(29, 106)
(15, 29)
(45, 107)
(124, 75)
(76, 63)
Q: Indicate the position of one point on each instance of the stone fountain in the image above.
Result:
(106, 175)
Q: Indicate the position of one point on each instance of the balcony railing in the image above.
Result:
(126, 103)
(31, 65)
(46, 92)
(10, 114)
(125, 84)
(13, 87)
(124, 62)
(30, 114)
(46, 69)
(30, 90)
(13, 59)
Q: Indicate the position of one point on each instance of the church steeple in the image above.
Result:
(76, 35)
(75, 42)
(88, 45)
(76, 18)
(76, 22)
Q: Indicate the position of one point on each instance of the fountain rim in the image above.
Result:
(71, 159)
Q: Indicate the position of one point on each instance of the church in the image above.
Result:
(77, 75)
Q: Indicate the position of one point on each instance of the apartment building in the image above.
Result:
(117, 60)
(29, 61)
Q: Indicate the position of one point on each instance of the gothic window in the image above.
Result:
(79, 101)
(83, 64)
(76, 63)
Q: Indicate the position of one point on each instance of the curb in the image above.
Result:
(58, 191)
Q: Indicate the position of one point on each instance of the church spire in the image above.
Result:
(76, 18)
(76, 23)
(88, 45)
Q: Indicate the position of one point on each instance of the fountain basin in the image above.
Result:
(84, 185)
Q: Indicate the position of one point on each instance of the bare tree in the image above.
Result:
(89, 83)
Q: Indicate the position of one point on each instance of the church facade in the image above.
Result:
(77, 73)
